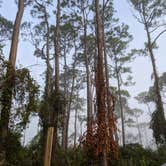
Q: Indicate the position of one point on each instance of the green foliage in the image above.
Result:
(144, 97)
(117, 42)
(158, 122)
(25, 94)
(16, 154)
(151, 9)
(3, 66)
(5, 31)
(150, 13)
(32, 157)
(131, 155)
(73, 157)
(136, 155)
(34, 152)
(162, 82)
(26, 91)
(158, 125)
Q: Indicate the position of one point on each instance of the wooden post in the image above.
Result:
(48, 151)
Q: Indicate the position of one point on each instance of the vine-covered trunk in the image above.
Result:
(57, 93)
(46, 114)
(51, 143)
(8, 86)
(158, 99)
(105, 101)
(109, 96)
(100, 89)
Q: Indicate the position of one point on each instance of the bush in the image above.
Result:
(136, 155)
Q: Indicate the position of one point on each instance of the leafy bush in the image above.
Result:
(136, 155)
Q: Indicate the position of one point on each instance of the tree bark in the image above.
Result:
(66, 127)
(66, 97)
(88, 85)
(109, 96)
(15, 36)
(56, 44)
(8, 86)
(75, 123)
(158, 98)
(139, 131)
(57, 93)
(100, 86)
(48, 150)
(120, 103)
(46, 114)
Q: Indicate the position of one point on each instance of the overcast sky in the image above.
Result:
(141, 67)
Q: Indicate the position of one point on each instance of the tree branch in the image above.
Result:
(157, 37)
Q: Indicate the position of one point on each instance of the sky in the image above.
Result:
(141, 67)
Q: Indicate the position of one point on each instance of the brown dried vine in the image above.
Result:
(101, 137)
(100, 141)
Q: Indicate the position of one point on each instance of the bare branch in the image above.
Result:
(158, 36)
(158, 26)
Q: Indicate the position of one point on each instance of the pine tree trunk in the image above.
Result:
(121, 112)
(66, 125)
(88, 87)
(100, 85)
(8, 86)
(15, 36)
(48, 150)
(121, 105)
(69, 110)
(57, 105)
(75, 123)
(70, 101)
(66, 97)
(109, 107)
(139, 131)
(48, 87)
(158, 98)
